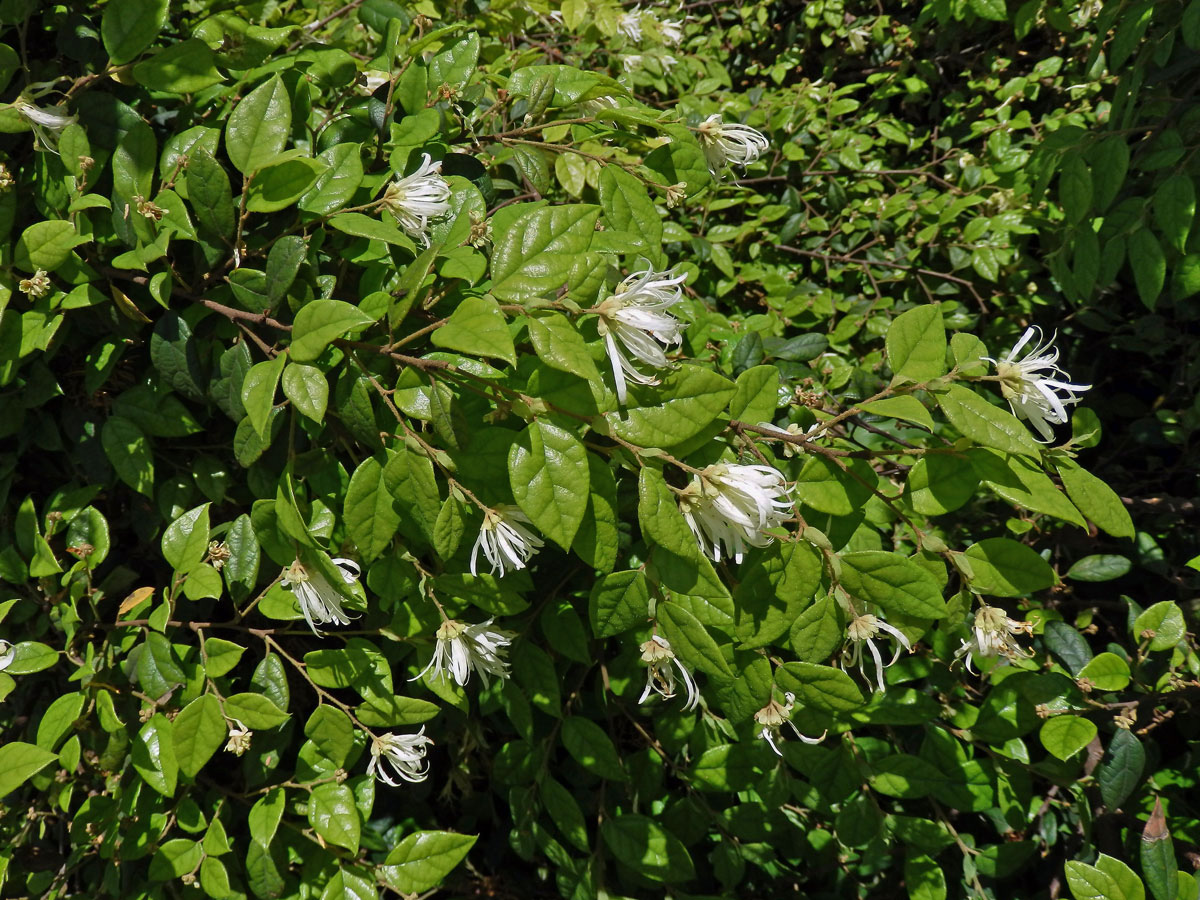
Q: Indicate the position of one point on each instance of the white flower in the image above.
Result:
(861, 632)
(671, 31)
(417, 198)
(404, 753)
(668, 62)
(1029, 384)
(730, 506)
(37, 285)
(47, 123)
(239, 738)
(660, 676)
(505, 540)
(774, 716)
(634, 318)
(629, 24)
(729, 144)
(7, 654)
(318, 599)
(463, 648)
(992, 637)
(631, 61)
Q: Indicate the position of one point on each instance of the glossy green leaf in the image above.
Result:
(258, 126)
(592, 748)
(1003, 568)
(916, 344)
(548, 473)
(129, 27)
(659, 855)
(198, 731)
(422, 860)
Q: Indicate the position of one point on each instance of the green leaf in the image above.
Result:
(422, 860)
(279, 185)
(642, 843)
(1174, 210)
(1089, 883)
(1110, 162)
(153, 754)
(821, 687)
(30, 657)
(209, 193)
(916, 344)
(307, 388)
(373, 229)
(283, 263)
(1099, 567)
(534, 255)
(185, 542)
(46, 245)
(19, 762)
(687, 402)
(827, 487)
(628, 207)
(1149, 265)
(59, 719)
(258, 127)
(1107, 671)
(619, 602)
(173, 353)
(455, 63)
(1095, 499)
(333, 815)
(129, 27)
(258, 392)
(182, 68)
(198, 731)
(940, 483)
(221, 656)
(892, 582)
(370, 513)
(254, 710)
(565, 812)
(548, 472)
(1075, 188)
(128, 449)
(388, 712)
(592, 748)
(819, 630)
(905, 776)
(560, 346)
(905, 408)
(1023, 484)
(680, 161)
(924, 878)
(477, 328)
(690, 641)
(756, 396)
(1064, 736)
(984, 423)
(1122, 768)
(1165, 620)
(1003, 568)
(336, 185)
(1157, 857)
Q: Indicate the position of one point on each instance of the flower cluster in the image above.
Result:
(319, 600)
(728, 507)
(635, 320)
(417, 198)
(399, 756)
(992, 636)
(661, 663)
(729, 144)
(462, 649)
(774, 716)
(504, 539)
(1034, 385)
(861, 633)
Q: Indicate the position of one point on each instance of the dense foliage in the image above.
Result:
(584, 450)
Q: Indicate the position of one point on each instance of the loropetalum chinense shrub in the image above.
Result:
(507, 448)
